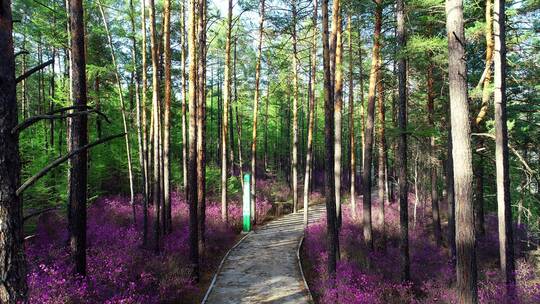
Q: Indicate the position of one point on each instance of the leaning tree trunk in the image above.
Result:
(311, 115)
(461, 150)
(13, 286)
(332, 241)
(255, 110)
(192, 150)
(138, 105)
(486, 92)
(122, 109)
(79, 138)
(368, 129)
(504, 207)
(401, 154)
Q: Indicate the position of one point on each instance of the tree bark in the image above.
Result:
(478, 171)
(352, 144)
(167, 117)
(192, 150)
(450, 194)
(368, 129)
(138, 106)
(338, 103)
(401, 160)
(225, 120)
(332, 241)
(146, 166)
(238, 124)
(79, 138)
(504, 207)
(486, 92)
(294, 158)
(382, 152)
(201, 123)
(156, 117)
(13, 287)
(311, 113)
(255, 112)
(184, 92)
(433, 157)
(461, 149)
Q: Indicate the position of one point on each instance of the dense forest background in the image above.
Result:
(184, 97)
(40, 36)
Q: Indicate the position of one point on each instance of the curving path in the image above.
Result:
(264, 268)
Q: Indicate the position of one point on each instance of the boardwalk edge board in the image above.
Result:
(306, 286)
(214, 279)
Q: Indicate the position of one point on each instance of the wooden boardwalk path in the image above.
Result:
(264, 267)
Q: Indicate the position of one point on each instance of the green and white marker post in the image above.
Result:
(246, 206)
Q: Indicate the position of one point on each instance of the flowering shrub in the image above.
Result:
(119, 270)
(373, 277)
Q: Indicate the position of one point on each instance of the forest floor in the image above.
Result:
(372, 276)
(263, 268)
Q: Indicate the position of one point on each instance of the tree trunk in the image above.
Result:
(311, 113)
(478, 171)
(433, 158)
(24, 88)
(122, 109)
(369, 126)
(184, 92)
(461, 149)
(155, 134)
(401, 161)
(255, 112)
(450, 194)
(238, 124)
(338, 104)
(13, 286)
(294, 158)
(267, 103)
(167, 225)
(382, 152)
(79, 138)
(145, 145)
(192, 150)
(225, 121)
(201, 123)
(352, 145)
(504, 207)
(486, 92)
(138, 105)
(332, 241)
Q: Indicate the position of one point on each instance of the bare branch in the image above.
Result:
(51, 115)
(33, 70)
(29, 182)
(22, 52)
(521, 159)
